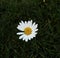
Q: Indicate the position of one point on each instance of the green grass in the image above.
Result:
(47, 15)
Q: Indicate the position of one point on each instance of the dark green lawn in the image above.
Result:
(46, 14)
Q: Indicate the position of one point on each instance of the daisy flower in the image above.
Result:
(28, 30)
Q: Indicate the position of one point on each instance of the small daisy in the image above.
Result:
(27, 30)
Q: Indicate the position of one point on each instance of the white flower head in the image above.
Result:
(28, 30)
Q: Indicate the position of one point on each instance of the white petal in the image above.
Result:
(35, 30)
(29, 38)
(35, 26)
(22, 22)
(20, 33)
(19, 23)
(25, 38)
(21, 36)
(31, 21)
(20, 28)
(25, 22)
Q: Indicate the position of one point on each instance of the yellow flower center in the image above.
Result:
(27, 30)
